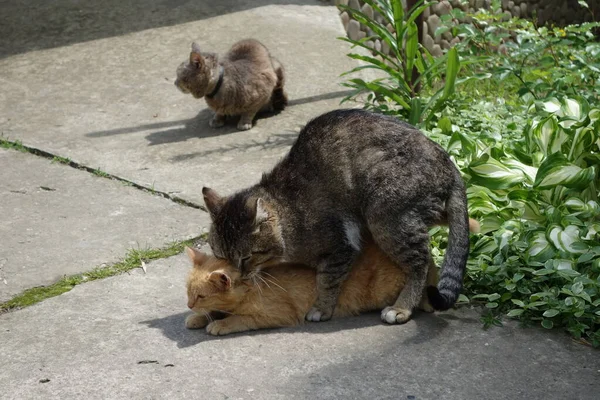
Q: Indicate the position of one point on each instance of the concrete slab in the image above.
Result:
(57, 220)
(101, 91)
(123, 338)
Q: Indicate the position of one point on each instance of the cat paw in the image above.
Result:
(216, 123)
(316, 315)
(395, 315)
(195, 321)
(244, 126)
(219, 328)
(425, 306)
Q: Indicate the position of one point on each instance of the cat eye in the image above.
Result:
(243, 261)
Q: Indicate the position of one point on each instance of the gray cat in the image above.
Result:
(243, 82)
(350, 172)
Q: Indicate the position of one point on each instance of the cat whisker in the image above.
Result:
(276, 284)
(273, 280)
(264, 281)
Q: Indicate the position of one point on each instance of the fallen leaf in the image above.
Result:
(144, 266)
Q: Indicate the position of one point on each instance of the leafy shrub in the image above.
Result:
(532, 173)
(410, 67)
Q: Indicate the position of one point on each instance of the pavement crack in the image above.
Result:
(17, 145)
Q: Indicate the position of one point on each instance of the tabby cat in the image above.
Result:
(243, 82)
(350, 171)
(282, 293)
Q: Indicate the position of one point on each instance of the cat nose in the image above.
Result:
(190, 304)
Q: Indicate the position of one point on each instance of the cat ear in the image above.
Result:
(196, 59)
(220, 279)
(260, 214)
(196, 256)
(212, 200)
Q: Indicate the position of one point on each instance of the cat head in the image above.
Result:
(212, 284)
(245, 230)
(193, 75)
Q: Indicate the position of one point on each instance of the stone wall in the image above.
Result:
(561, 12)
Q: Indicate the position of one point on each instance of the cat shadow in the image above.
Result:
(429, 326)
(198, 126)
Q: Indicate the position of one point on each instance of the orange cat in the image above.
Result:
(284, 292)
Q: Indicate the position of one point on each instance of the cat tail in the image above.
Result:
(278, 98)
(450, 284)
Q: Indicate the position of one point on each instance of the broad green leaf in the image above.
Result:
(557, 170)
(518, 303)
(540, 250)
(551, 313)
(548, 135)
(563, 239)
(515, 313)
(547, 324)
(494, 174)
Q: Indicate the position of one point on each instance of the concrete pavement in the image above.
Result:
(93, 81)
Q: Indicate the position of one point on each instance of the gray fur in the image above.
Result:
(252, 81)
(377, 172)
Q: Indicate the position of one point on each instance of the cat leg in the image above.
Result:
(405, 240)
(217, 121)
(246, 120)
(233, 324)
(432, 280)
(196, 321)
(332, 271)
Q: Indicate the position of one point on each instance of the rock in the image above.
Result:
(361, 35)
(442, 8)
(447, 35)
(424, 31)
(390, 28)
(433, 22)
(377, 45)
(353, 29)
(454, 41)
(479, 4)
(367, 10)
(510, 5)
(354, 4)
(428, 43)
(516, 12)
(385, 48)
(437, 51)
(341, 2)
(523, 7)
(506, 16)
(426, 13)
(505, 4)
(370, 44)
(345, 19)
(445, 44)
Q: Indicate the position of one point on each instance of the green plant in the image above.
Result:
(410, 72)
(532, 175)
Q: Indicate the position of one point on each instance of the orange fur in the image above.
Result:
(282, 293)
